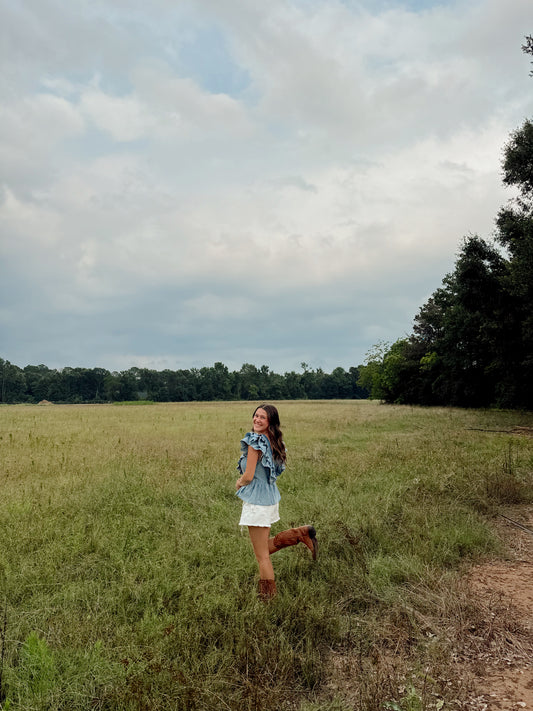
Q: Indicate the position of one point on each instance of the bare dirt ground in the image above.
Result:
(502, 668)
(487, 664)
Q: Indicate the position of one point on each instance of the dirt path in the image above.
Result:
(503, 666)
(485, 636)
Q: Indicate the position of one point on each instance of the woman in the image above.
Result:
(262, 461)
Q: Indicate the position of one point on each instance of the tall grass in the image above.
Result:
(127, 584)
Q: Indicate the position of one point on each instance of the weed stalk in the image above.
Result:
(2, 652)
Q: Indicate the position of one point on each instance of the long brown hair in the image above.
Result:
(274, 432)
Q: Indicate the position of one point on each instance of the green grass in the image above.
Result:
(127, 584)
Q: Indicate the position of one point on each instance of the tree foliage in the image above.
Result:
(35, 383)
(528, 48)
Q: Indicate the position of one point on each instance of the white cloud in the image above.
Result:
(183, 107)
(33, 130)
(28, 225)
(123, 118)
(340, 180)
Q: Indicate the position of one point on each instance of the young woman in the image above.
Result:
(262, 461)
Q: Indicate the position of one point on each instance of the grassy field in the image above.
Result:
(126, 584)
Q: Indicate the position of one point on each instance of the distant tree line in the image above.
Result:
(472, 342)
(36, 383)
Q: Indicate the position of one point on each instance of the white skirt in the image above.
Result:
(256, 515)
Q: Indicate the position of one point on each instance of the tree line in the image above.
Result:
(472, 341)
(35, 383)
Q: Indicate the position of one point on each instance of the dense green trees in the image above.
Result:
(35, 383)
(472, 342)
(515, 233)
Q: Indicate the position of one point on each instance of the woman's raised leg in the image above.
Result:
(292, 536)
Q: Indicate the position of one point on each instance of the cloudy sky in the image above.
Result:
(191, 181)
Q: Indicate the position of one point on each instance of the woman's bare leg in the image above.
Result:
(259, 536)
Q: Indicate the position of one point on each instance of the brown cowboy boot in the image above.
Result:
(292, 536)
(267, 589)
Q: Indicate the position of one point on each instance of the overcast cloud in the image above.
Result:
(245, 182)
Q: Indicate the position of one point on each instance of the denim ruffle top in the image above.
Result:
(263, 489)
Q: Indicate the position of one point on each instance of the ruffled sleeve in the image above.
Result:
(262, 444)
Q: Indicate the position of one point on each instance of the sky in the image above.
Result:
(274, 183)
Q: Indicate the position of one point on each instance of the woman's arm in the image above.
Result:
(252, 457)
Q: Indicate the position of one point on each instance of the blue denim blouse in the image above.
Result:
(262, 490)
